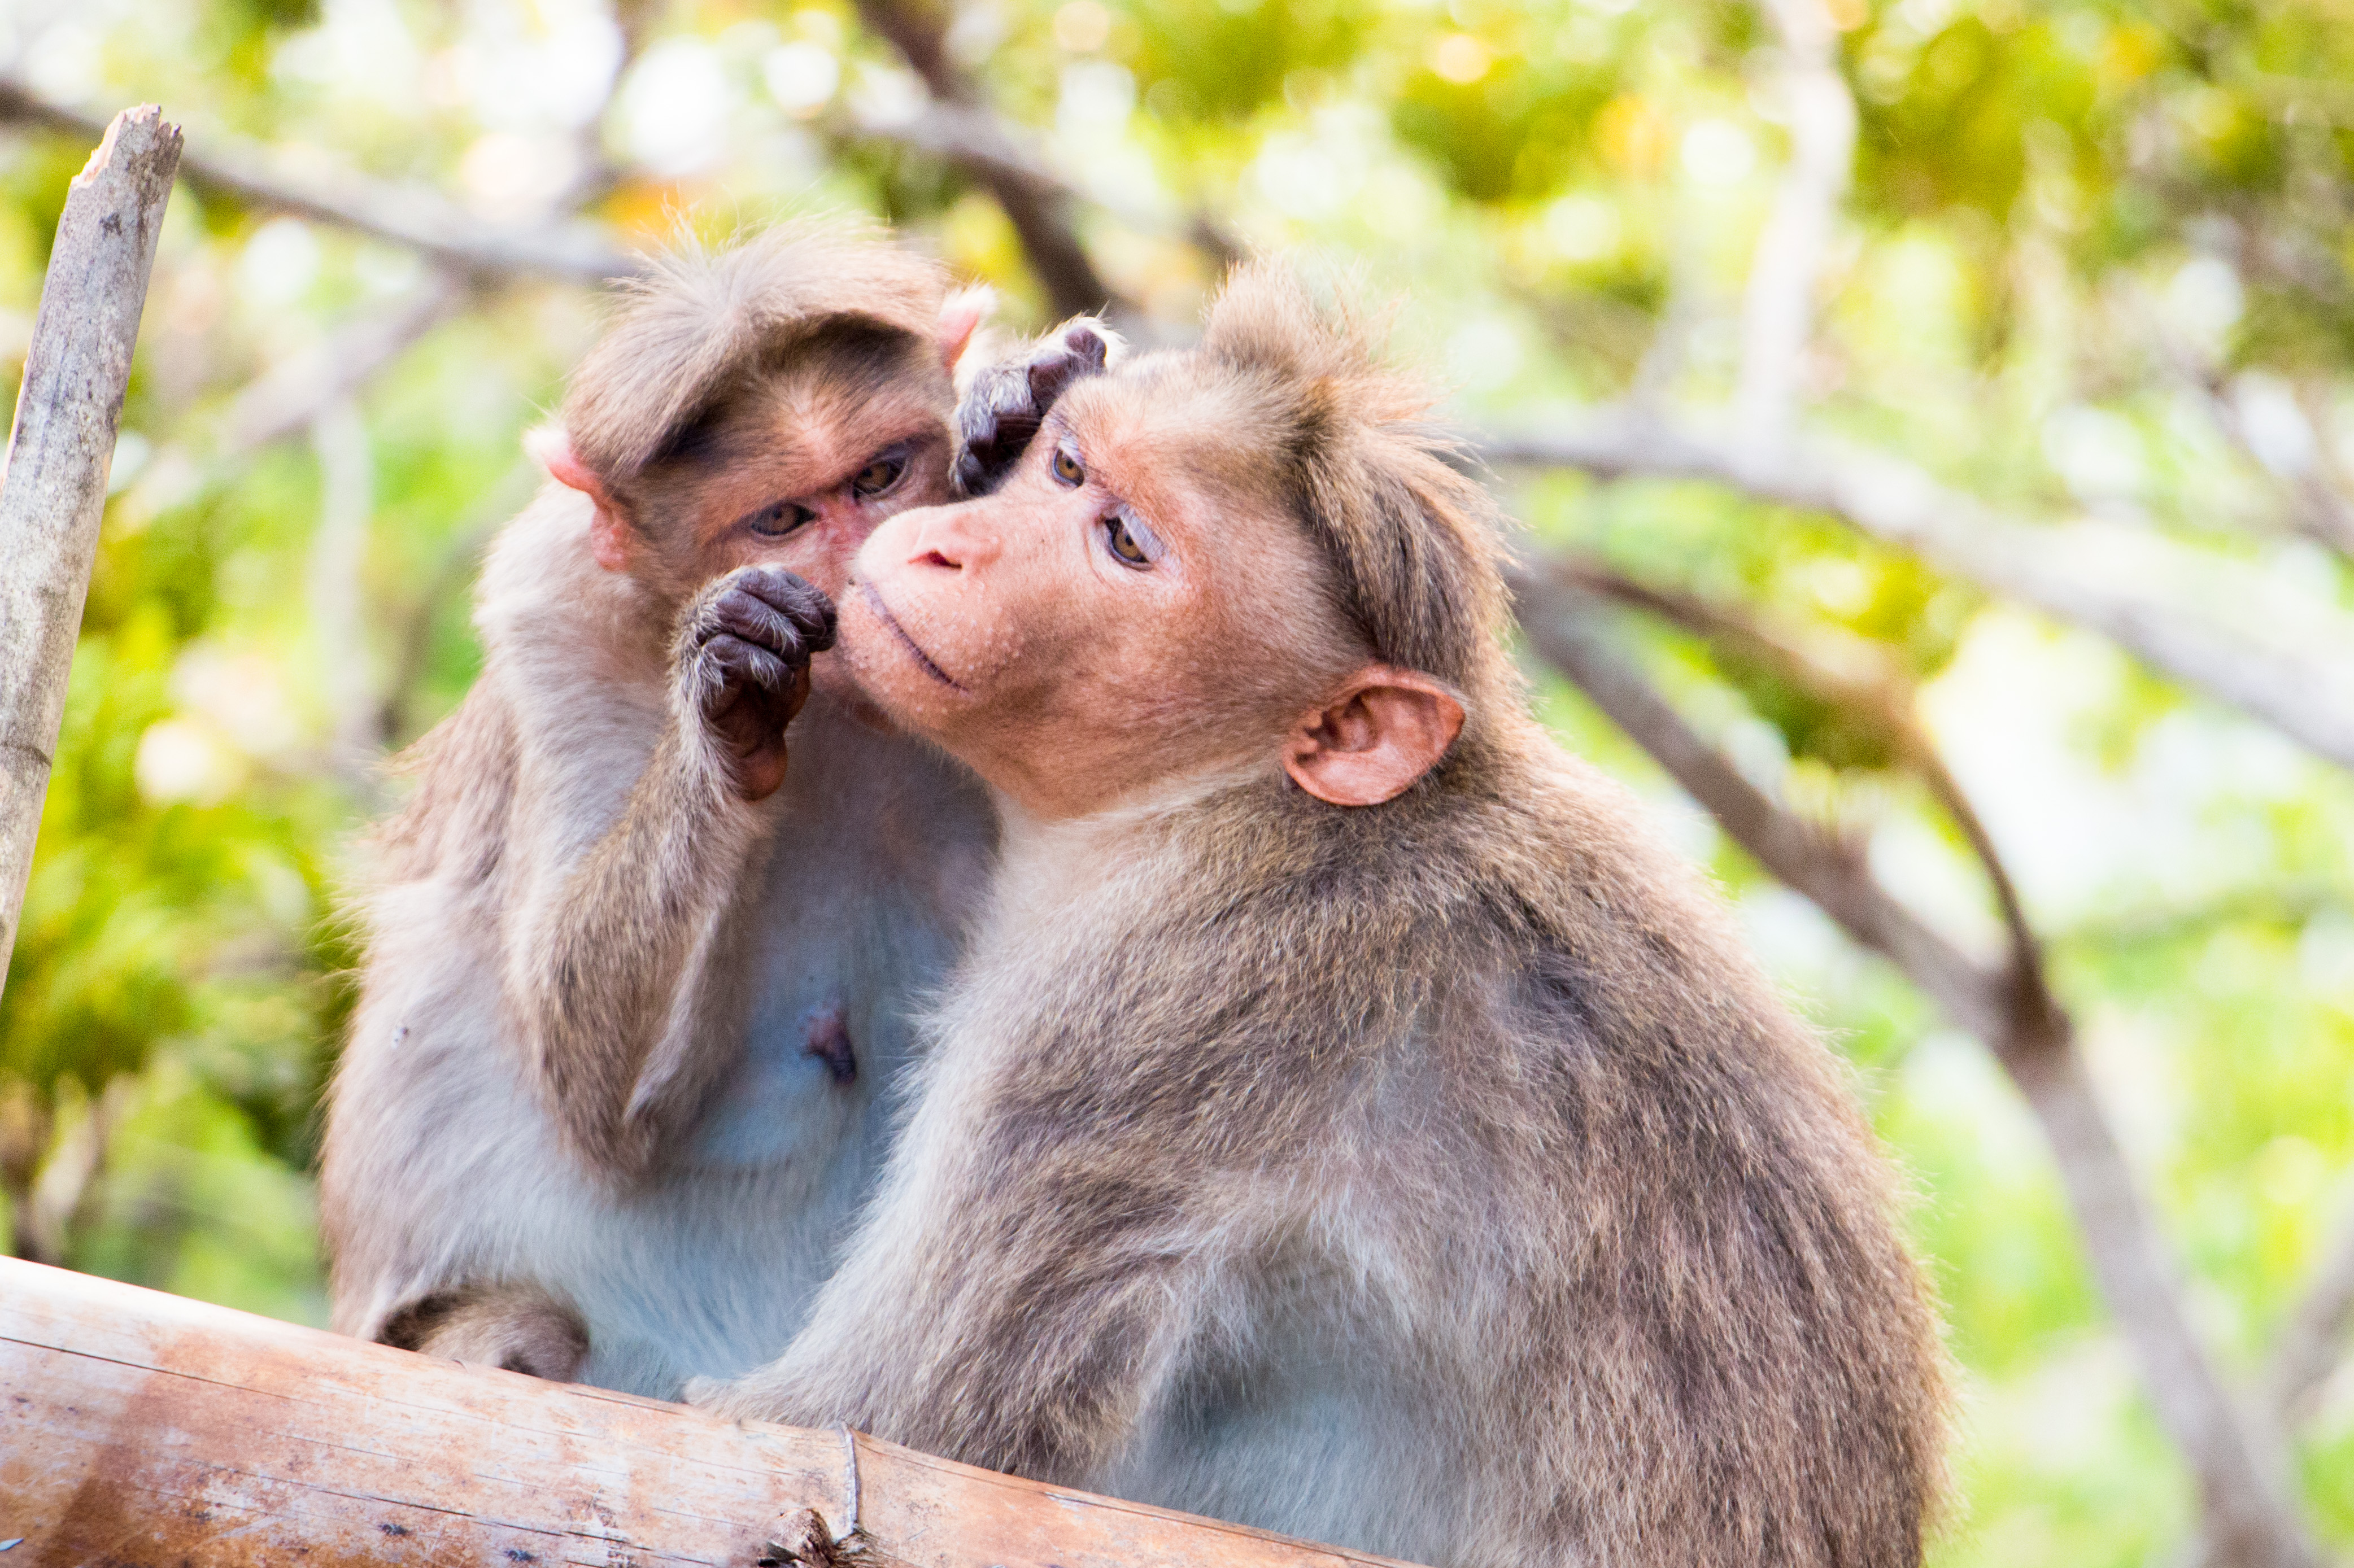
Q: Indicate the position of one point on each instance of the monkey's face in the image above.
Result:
(1132, 606)
(796, 473)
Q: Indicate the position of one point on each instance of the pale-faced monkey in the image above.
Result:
(634, 989)
(1350, 1118)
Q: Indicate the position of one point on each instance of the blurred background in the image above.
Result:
(1932, 419)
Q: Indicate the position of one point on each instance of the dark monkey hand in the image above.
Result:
(742, 666)
(1008, 401)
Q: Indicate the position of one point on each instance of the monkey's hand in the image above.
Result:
(1008, 401)
(742, 667)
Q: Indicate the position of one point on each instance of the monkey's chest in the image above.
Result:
(709, 1272)
(837, 956)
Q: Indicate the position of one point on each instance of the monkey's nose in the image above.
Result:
(950, 538)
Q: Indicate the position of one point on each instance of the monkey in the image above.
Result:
(635, 992)
(1349, 1117)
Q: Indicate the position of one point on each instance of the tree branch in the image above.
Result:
(918, 29)
(53, 488)
(1779, 313)
(2311, 1340)
(2249, 1522)
(1857, 679)
(413, 217)
(2288, 902)
(284, 399)
(209, 1437)
(2316, 507)
(960, 129)
(2213, 623)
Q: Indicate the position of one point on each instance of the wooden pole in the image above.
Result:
(137, 1427)
(54, 490)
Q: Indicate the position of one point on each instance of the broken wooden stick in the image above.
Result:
(141, 1427)
(53, 491)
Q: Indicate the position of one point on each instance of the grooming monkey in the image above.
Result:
(1349, 1120)
(634, 989)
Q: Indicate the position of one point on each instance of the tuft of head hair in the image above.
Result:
(689, 326)
(1414, 544)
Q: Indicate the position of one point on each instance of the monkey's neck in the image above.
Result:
(1046, 863)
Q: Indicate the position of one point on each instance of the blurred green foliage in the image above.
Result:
(2076, 227)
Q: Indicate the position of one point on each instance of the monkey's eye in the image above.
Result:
(779, 519)
(879, 475)
(1067, 467)
(1132, 543)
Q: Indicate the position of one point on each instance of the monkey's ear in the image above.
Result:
(962, 315)
(609, 531)
(1387, 728)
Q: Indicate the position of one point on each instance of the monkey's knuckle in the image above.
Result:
(707, 618)
(768, 671)
(720, 586)
(721, 663)
(970, 474)
(785, 592)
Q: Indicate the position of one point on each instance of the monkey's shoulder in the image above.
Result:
(1532, 904)
(1527, 850)
(464, 772)
(1267, 912)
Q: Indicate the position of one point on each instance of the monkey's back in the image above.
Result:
(1564, 1241)
(1723, 1288)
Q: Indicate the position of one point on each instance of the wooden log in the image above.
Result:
(140, 1428)
(53, 491)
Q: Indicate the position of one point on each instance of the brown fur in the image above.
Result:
(576, 1089)
(1439, 1178)
(515, 1328)
(698, 323)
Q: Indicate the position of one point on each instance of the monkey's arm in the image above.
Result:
(615, 975)
(1004, 1304)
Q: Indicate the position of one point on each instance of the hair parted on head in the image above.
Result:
(698, 315)
(1416, 545)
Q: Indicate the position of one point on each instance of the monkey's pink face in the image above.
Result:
(1124, 610)
(802, 481)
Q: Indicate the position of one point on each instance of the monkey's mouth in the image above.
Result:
(883, 614)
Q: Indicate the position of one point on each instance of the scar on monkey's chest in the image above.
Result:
(829, 1041)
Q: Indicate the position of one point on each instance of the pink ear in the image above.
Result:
(961, 316)
(1387, 728)
(608, 534)
(552, 449)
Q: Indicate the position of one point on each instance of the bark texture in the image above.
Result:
(53, 490)
(141, 1427)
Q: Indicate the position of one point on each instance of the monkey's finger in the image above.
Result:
(733, 664)
(1079, 353)
(751, 619)
(795, 598)
(995, 423)
(1008, 402)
